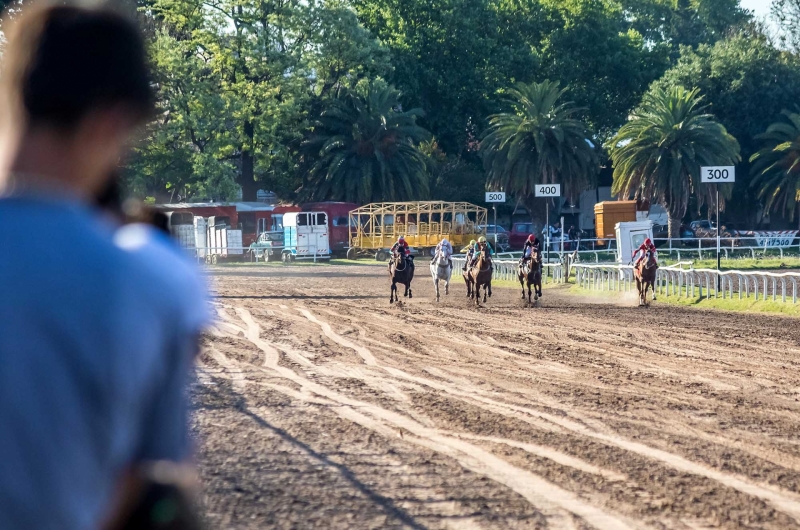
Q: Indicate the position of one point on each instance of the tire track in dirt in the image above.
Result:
(548, 498)
(782, 500)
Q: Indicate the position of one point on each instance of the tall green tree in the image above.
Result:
(365, 149)
(450, 57)
(539, 140)
(787, 14)
(776, 167)
(747, 82)
(237, 81)
(657, 155)
(679, 23)
(591, 48)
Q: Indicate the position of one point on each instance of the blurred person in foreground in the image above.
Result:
(99, 325)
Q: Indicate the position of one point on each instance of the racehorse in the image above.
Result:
(645, 274)
(441, 270)
(480, 276)
(531, 271)
(400, 271)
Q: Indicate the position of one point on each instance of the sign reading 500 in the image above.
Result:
(548, 190)
(495, 196)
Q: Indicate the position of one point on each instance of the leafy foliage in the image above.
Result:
(658, 153)
(539, 141)
(679, 23)
(787, 14)
(604, 63)
(237, 81)
(777, 166)
(365, 150)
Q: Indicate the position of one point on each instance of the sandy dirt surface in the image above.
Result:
(319, 405)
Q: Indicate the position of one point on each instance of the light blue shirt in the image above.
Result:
(96, 345)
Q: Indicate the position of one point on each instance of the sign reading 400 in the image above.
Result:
(548, 190)
(717, 174)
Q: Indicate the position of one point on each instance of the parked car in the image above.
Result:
(502, 236)
(707, 230)
(268, 246)
(519, 233)
(702, 226)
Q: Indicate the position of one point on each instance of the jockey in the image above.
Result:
(642, 250)
(471, 250)
(445, 249)
(482, 243)
(401, 247)
(531, 245)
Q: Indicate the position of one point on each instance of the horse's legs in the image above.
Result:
(653, 287)
(521, 284)
(639, 286)
(408, 288)
(392, 293)
(436, 286)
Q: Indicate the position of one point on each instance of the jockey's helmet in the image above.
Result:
(648, 242)
(444, 242)
(481, 239)
(473, 242)
(401, 240)
(531, 238)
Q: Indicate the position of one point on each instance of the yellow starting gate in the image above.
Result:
(375, 227)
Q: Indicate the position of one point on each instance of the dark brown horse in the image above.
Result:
(531, 272)
(645, 274)
(400, 271)
(480, 275)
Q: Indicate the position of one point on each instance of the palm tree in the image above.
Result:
(776, 167)
(365, 149)
(539, 141)
(658, 153)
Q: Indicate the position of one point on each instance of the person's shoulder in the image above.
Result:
(172, 277)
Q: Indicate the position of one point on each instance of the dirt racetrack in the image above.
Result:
(320, 406)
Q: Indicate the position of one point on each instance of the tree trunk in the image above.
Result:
(247, 178)
(536, 209)
(674, 227)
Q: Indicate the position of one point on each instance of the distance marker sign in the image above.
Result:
(718, 174)
(547, 190)
(495, 196)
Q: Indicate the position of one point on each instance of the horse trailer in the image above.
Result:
(305, 236)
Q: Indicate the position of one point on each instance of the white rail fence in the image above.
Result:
(694, 283)
(507, 270)
(598, 250)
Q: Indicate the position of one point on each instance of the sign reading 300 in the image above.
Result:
(717, 174)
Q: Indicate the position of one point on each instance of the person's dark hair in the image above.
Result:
(64, 62)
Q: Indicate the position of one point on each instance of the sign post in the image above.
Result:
(547, 190)
(718, 175)
(494, 197)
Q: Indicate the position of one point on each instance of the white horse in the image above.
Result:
(441, 270)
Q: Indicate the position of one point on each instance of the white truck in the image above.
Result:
(305, 236)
